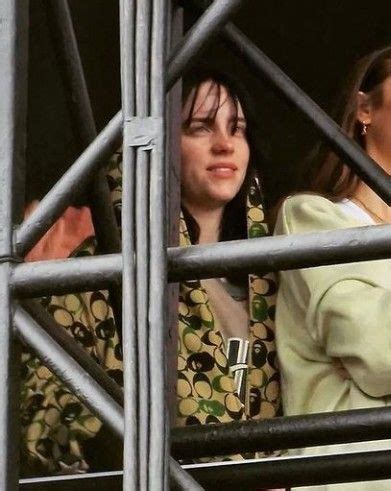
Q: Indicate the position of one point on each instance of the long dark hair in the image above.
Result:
(234, 221)
(330, 176)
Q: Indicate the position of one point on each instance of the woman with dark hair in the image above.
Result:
(226, 355)
(226, 352)
(333, 332)
(226, 361)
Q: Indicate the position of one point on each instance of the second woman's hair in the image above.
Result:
(331, 177)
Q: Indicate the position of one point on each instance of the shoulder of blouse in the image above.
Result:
(309, 213)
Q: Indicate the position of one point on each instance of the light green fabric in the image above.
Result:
(333, 328)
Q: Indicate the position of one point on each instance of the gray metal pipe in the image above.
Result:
(105, 224)
(57, 277)
(69, 371)
(142, 95)
(180, 481)
(74, 181)
(156, 327)
(77, 352)
(129, 308)
(14, 37)
(70, 186)
(284, 472)
(192, 442)
(209, 24)
(280, 253)
(83, 385)
(371, 173)
(211, 261)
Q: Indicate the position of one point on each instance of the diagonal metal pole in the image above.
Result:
(73, 181)
(346, 148)
(96, 155)
(291, 432)
(83, 119)
(69, 344)
(13, 89)
(207, 26)
(83, 384)
(70, 186)
(104, 220)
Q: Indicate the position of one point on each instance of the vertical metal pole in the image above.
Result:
(143, 57)
(131, 437)
(158, 445)
(13, 81)
(173, 125)
(142, 45)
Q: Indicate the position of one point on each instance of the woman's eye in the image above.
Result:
(239, 129)
(199, 128)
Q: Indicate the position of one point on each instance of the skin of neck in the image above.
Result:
(209, 221)
(364, 193)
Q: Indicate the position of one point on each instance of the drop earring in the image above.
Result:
(364, 128)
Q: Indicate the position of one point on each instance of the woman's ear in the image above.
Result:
(364, 108)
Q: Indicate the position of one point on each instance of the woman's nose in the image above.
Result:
(222, 143)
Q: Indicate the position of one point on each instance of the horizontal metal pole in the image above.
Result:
(280, 253)
(77, 352)
(209, 24)
(342, 145)
(284, 472)
(180, 480)
(71, 185)
(87, 482)
(83, 384)
(281, 433)
(57, 277)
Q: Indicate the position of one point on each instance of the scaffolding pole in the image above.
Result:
(277, 253)
(13, 89)
(96, 155)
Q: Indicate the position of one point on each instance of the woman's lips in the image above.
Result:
(222, 169)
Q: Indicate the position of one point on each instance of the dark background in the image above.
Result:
(315, 43)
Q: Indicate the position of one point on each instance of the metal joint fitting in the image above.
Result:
(143, 132)
(11, 259)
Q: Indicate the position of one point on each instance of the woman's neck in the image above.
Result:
(381, 156)
(209, 222)
(372, 202)
(364, 193)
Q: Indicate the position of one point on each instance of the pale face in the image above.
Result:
(214, 150)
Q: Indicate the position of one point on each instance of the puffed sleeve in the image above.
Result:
(348, 310)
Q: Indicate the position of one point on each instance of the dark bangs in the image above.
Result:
(216, 86)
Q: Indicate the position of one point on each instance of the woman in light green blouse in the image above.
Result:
(334, 322)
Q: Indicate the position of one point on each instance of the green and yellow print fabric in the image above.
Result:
(54, 422)
(206, 390)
